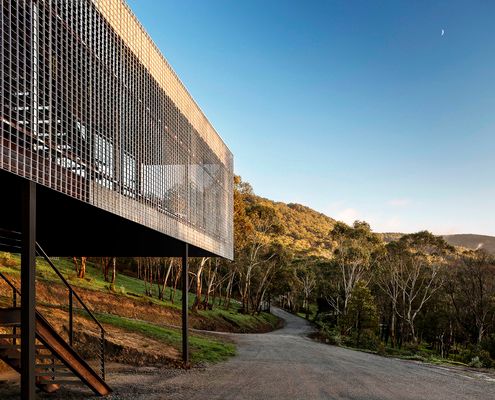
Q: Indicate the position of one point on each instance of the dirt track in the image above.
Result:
(285, 364)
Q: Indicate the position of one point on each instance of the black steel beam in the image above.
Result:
(28, 291)
(185, 309)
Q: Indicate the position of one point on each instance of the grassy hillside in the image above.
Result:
(127, 312)
(305, 230)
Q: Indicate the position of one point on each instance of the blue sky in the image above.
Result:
(359, 109)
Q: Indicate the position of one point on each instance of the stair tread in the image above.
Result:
(54, 373)
(9, 336)
(60, 382)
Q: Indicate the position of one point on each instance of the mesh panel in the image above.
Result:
(90, 108)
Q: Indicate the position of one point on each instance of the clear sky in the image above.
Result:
(359, 109)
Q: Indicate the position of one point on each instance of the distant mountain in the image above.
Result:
(468, 241)
(472, 241)
(306, 231)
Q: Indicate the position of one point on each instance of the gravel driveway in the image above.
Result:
(285, 364)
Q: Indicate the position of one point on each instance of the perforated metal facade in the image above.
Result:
(90, 108)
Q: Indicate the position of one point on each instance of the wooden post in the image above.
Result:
(28, 291)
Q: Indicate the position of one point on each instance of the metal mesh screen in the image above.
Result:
(90, 108)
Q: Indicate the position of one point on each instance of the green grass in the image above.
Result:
(133, 288)
(244, 322)
(202, 348)
(313, 309)
(124, 285)
(421, 354)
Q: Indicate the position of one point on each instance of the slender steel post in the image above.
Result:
(28, 290)
(71, 320)
(14, 304)
(185, 309)
(102, 354)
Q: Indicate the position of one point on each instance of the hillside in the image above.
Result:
(471, 241)
(305, 230)
(468, 241)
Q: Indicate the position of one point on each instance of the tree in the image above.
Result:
(198, 301)
(419, 273)
(256, 252)
(361, 316)
(354, 252)
(388, 279)
(472, 292)
(80, 270)
(306, 277)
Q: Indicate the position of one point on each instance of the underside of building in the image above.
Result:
(103, 152)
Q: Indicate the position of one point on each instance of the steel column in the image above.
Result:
(28, 290)
(185, 309)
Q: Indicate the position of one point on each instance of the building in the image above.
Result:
(91, 109)
(103, 150)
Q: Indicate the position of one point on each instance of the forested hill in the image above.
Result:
(304, 230)
(468, 241)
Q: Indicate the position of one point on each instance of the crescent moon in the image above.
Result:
(443, 32)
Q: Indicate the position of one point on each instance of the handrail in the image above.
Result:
(11, 235)
(42, 253)
(10, 283)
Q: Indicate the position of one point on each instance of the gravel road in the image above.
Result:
(285, 364)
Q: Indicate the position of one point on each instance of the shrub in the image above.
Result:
(475, 362)
(488, 344)
(381, 350)
(476, 357)
(331, 335)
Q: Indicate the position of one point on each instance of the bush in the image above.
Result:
(367, 340)
(475, 362)
(381, 350)
(488, 344)
(475, 356)
(331, 335)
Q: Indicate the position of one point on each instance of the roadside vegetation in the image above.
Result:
(414, 296)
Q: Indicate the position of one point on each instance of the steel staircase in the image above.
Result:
(57, 363)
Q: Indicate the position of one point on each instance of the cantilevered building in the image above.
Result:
(91, 109)
(103, 152)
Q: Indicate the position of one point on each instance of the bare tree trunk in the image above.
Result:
(228, 292)
(76, 265)
(107, 267)
(177, 277)
(199, 286)
(114, 272)
(165, 279)
(82, 270)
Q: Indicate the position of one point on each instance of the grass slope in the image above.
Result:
(203, 348)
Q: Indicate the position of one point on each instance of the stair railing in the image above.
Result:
(15, 293)
(10, 241)
(73, 294)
